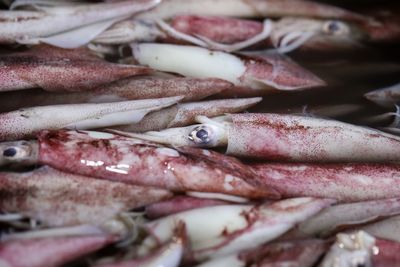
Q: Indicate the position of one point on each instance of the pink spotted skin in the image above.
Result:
(277, 72)
(49, 252)
(180, 204)
(132, 161)
(344, 182)
(388, 254)
(283, 137)
(219, 29)
(61, 199)
(131, 88)
(56, 69)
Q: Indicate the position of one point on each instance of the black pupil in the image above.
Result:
(9, 152)
(360, 265)
(333, 27)
(202, 134)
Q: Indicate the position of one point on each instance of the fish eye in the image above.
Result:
(200, 135)
(335, 27)
(10, 152)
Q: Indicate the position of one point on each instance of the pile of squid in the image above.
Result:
(134, 133)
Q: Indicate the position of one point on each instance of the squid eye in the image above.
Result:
(200, 135)
(335, 27)
(10, 152)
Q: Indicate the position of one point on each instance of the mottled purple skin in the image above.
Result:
(219, 29)
(49, 252)
(180, 204)
(60, 199)
(56, 69)
(302, 253)
(344, 182)
(131, 161)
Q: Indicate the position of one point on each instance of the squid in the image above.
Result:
(122, 90)
(283, 137)
(251, 8)
(56, 69)
(111, 157)
(386, 97)
(51, 252)
(302, 253)
(67, 26)
(230, 34)
(236, 228)
(342, 216)
(57, 199)
(183, 114)
(269, 72)
(26, 123)
(343, 182)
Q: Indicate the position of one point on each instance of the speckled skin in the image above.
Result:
(16, 24)
(132, 161)
(60, 199)
(344, 182)
(218, 29)
(306, 139)
(49, 252)
(275, 72)
(126, 89)
(56, 69)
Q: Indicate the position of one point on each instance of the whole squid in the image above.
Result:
(67, 26)
(128, 160)
(26, 123)
(56, 69)
(122, 90)
(256, 73)
(284, 137)
(236, 228)
(56, 199)
(252, 8)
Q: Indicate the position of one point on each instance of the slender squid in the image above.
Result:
(67, 26)
(122, 90)
(269, 72)
(111, 157)
(284, 137)
(26, 123)
(56, 69)
(56, 199)
(236, 228)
